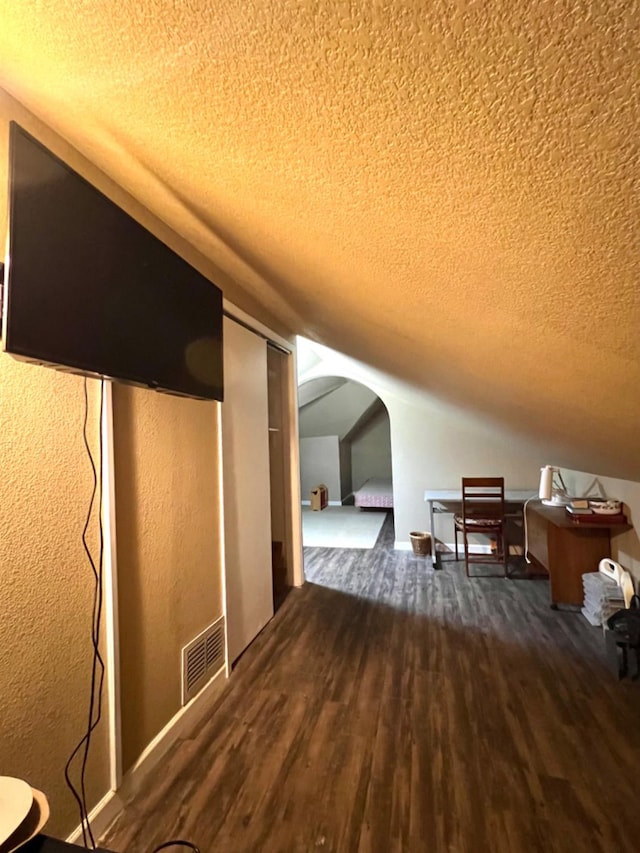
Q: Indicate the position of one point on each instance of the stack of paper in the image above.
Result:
(602, 597)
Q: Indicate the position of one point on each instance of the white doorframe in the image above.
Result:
(294, 467)
(111, 625)
(221, 540)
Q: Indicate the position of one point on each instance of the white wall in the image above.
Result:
(346, 479)
(433, 444)
(625, 547)
(320, 463)
(371, 451)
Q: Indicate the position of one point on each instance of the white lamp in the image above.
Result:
(552, 493)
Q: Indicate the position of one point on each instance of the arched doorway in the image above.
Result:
(345, 445)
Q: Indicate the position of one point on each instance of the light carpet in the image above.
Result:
(340, 527)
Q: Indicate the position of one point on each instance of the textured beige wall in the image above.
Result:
(169, 586)
(46, 584)
(45, 581)
(170, 531)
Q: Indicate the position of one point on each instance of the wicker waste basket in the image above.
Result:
(421, 543)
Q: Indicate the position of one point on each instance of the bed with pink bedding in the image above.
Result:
(375, 492)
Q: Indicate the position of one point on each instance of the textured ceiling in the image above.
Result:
(448, 190)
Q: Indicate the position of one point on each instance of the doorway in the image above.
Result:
(345, 445)
(261, 499)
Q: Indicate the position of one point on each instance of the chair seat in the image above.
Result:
(476, 521)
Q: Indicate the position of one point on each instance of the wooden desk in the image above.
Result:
(566, 549)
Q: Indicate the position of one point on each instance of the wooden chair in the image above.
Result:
(482, 512)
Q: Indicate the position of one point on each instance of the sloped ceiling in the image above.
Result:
(338, 412)
(317, 388)
(447, 190)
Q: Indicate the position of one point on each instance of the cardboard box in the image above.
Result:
(319, 497)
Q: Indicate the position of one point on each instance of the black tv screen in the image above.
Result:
(87, 288)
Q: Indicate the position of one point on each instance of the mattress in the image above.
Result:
(375, 492)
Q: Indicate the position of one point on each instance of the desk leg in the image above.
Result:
(434, 553)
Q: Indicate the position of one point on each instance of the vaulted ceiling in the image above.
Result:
(447, 190)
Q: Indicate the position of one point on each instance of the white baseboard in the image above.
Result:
(331, 503)
(448, 548)
(514, 550)
(101, 817)
(107, 810)
(473, 549)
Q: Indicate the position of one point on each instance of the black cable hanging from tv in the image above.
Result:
(97, 665)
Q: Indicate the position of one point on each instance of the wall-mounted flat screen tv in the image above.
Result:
(89, 289)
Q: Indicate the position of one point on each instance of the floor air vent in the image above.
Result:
(202, 658)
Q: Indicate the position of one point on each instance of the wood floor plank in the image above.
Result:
(388, 707)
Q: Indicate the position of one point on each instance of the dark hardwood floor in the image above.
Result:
(388, 707)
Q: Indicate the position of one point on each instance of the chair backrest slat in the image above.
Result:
(483, 495)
